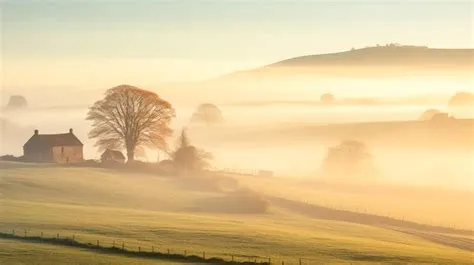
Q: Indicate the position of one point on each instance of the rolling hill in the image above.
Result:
(352, 70)
(179, 214)
(373, 61)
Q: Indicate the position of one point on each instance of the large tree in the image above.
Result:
(129, 118)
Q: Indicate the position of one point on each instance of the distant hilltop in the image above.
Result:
(391, 59)
(324, 71)
(392, 54)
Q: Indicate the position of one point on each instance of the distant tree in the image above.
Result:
(462, 104)
(461, 99)
(428, 114)
(140, 153)
(187, 157)
(327, 98)
(348, 159)
(129, 118)
(17, 102)
(441, 117)
(208, 114)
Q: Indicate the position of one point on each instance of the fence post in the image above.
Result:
(300, 261)
(73, 237)
(232, 257)
(168, 251)
(153, 249)
(123, 246)
(98, 245)
(185, 253)
(269, 260)
(57, 236)
(25, 233)
(13, 231)
(113, 244)
(204, 255)
(41, 234)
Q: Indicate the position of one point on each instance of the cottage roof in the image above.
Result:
(51, 140)
(113, 154)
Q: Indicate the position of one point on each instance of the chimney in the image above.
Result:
(70, 131)
(36, 132)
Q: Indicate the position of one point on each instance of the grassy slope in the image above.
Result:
(13, 252)
(408, 56)
(430, 206)
(371, 61)
(150, 211)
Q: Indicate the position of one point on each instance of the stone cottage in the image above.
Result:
(53, 148)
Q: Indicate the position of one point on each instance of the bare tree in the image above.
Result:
(129, 118)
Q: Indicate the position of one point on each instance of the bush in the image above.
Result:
(11, 158)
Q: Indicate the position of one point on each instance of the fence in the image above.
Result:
(121, 248)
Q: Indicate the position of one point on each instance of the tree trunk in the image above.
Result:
(130, 156)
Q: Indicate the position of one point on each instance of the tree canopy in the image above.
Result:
(462, 99)
(128, 118)
(208, 114)
(429, 114)
(347, 159)
(461, 105)
(327, 98)
(17, 102)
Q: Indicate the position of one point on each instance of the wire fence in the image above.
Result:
(121, 247)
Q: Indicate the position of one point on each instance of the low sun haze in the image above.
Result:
(236, 132)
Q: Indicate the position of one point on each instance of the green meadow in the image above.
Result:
(201, 216)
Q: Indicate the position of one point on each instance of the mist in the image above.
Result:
(275, 135)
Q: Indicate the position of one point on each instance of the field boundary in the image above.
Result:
(120, 249)
(325, 213)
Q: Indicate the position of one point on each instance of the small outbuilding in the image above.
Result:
(112, 157)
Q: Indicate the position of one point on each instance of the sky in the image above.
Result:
(90, 44)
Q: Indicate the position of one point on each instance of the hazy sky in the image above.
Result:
(97, 43)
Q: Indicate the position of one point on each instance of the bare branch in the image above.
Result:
(129, 118)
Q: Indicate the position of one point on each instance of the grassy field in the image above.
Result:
(432, 206)
(13, 252)
(195, 215)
